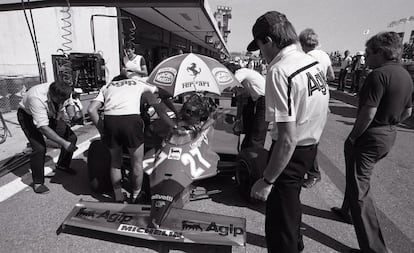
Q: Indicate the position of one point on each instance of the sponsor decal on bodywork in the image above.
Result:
(175, 153)
(180, 225)
(107, 215)
(162, 197)
(149, 231)
(165, 76)
(222, 230)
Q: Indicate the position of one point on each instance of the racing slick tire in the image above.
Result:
(99, 167)
(252, 162)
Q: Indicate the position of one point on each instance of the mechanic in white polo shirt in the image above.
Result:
(309, 41)
(251, 108)
(41, 113)
(122, 127)
(297, 99)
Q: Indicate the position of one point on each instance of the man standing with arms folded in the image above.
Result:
(309, 41)
(297, 99)
(41, 114)
(385, 101)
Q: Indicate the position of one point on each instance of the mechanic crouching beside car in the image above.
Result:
(41, 113)
(122, 128)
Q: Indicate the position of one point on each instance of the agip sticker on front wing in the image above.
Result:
(181, 225)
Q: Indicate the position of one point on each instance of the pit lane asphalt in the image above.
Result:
(29, 221)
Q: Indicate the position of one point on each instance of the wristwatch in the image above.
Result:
(267, 181)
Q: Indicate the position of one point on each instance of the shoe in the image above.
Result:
(300, 245)
(40, 188)
(344, 216)
(70, 171)
(311, 181)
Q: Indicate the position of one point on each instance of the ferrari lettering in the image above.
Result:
(316, 82)
(197, 83)
(149, 231)
(225, 230)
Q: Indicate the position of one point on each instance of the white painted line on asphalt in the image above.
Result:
(17, 185)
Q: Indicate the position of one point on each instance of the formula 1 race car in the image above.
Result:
(173, 161)
(172, 168)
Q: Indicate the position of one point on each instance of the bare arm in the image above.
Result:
(363, 120)
(159, 107)
(330, 74)
(94, 115)
(52, 135)
(282, 150)
(279, 158)
(142, 72)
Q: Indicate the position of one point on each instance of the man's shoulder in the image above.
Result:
(293, 62)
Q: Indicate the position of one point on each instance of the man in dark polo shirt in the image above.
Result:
(385, 101)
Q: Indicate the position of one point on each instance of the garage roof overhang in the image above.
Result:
(190, 19)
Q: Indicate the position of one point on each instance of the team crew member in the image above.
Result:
(41, 113)
(253, 111)
(345, 67)
(309, 41)
(123, 127)
(385, 101)
(134, 64)
(297, 99)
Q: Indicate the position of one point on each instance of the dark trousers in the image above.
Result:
(283, 207)
(355, 80)
(254, 123)
(342, 79)
(38, 144)
(314, 171)
(360, 159)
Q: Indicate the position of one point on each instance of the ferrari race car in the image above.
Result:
(182, 158)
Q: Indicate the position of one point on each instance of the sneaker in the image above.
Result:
(70, 171)
(344, 216)
(40, 188)
(311, 181)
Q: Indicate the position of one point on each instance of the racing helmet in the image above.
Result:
(197, 108)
